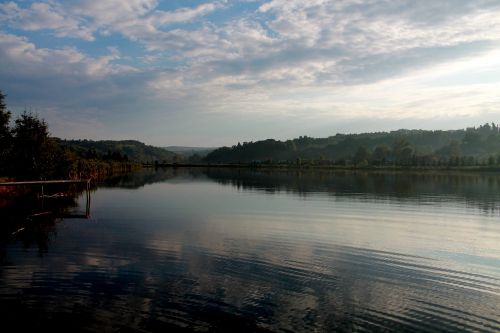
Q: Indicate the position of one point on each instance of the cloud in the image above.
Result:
(44, 16)
(183, 14)
(21, 58)
(317, 59)
(333, 43)
(377, 27)
(63, 84)
(134, 19)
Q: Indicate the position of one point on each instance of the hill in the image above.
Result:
(133, 150)
(190, 151)
(469, 146)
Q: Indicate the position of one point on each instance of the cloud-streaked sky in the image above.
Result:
(213, 73)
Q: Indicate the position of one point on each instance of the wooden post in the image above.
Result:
(47, 182)
(42, 197)
(87, 208)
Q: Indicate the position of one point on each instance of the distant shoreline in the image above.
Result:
(325, 167)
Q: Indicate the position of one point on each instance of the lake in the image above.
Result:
(240, 250)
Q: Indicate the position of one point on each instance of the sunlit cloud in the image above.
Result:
(320, 60)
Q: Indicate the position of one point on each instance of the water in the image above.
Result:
(229, 250)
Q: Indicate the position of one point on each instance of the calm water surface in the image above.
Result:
(229, 250)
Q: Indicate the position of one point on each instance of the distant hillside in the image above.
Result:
(469, 146)
(134, 150)
(190, 151)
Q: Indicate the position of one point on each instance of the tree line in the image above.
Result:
(27, 151)
(130, 150)
(474, 146)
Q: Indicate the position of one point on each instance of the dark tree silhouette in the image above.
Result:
(34, 151)
(5, 135)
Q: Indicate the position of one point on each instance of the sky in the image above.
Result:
(211, 73)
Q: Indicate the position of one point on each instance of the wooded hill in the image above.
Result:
(471, 146)
(191, 151)
(130, 150)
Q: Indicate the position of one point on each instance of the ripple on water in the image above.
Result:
(264, 258)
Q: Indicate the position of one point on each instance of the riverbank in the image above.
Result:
(479, 168)
(99, 170)
(96, 170)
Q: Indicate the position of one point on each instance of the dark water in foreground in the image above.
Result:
(228, 250)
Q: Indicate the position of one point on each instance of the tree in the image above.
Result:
(4, 114)
(402, 151)
(362, 155)
(472, 143)
(381, 154)
(452, 150)
(5, 135)
(491, 160)
(34, 152)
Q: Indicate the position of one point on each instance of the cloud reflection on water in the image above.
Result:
(326, 252)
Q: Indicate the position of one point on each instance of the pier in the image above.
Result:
(41, 183)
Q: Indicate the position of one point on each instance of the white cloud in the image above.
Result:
(324, 43)
(368, 28)
(20, 57)
(318, 59)
(124, 17)
(419, 95)
(134, 19)
(40, 16)
(182, 15)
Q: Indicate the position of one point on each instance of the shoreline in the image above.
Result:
(326, 167)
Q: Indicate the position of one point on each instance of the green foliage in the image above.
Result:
(126, 150)
(381, 154)
(469, 147)
(362, 156)
(34, 151)
(28, 152)
(402, 152)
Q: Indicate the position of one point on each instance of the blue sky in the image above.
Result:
(211, 73)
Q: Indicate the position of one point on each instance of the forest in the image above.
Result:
(127, 150)
(29, 152)
(474, 146)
